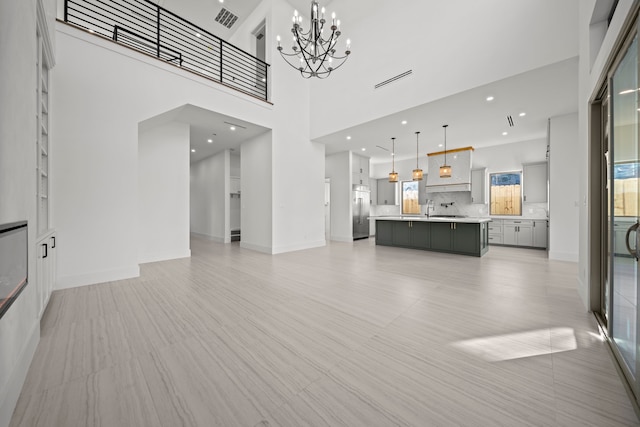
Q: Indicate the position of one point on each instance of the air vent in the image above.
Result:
(510, 121)
(226, 18)
(393, 79)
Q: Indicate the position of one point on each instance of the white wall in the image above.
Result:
(485, 42)
(298, 163)
(338, 169)
(564, 195)
(209, 195)
(256, 186)
(20, 325)
(163, 187)
(96, 163)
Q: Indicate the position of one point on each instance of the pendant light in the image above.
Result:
(393, 176)
(417, 172)
(445, 170)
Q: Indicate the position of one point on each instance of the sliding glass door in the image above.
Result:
(623, 160)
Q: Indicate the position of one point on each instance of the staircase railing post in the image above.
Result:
(158, 34)
(221, 60)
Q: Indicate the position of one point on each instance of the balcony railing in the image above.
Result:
(150, 28)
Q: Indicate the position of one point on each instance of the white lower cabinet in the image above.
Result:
(540, 233)
(45, 269)
(521, 232)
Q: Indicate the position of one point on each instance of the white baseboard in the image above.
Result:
(342, 239)
(216, 239)
(164, 256)
(257, 248)
(65, 282)
(10, 394)
(299, 247)
(563, 256)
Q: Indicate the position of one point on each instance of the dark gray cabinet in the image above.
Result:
(454, 237)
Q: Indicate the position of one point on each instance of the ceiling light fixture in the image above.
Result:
(193, 150)
(417, 172)
(522, 114)
(505, 133)
(316, 53)
(393, 176)
(364, 149)
(209, 141)
(348, 137)
(490, 98)
(232, 128)
(445, 170)
(404, 122)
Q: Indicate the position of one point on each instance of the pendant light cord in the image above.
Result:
(445, 144)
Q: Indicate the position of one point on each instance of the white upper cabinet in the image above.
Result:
(359, 170)
(478, 186)
(534, 182)
(460, 162)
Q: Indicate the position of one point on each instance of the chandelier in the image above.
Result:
(316, 52)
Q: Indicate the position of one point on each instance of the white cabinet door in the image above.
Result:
(509, 235)
(540, 233)
(478, 190)
(534, 181)
(386, 192)
(525, 235)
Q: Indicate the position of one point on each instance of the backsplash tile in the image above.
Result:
(462, 206)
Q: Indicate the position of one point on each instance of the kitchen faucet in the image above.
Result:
(431, 206)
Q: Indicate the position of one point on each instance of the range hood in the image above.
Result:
(460, 161)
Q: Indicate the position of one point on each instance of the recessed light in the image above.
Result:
(522, 114)
(197, 34)
(505, 133)
(209, 141)
(193, 150)
(364, 149)
(404, 122)
(232, 128)
(348, 137)
(439, 145)
(490, 98)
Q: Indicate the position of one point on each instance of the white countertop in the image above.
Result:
(430, 219)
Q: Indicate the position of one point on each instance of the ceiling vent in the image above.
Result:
(393, 79)
(510, 121)
(226, 18)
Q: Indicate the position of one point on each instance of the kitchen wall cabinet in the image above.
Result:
(387, 192)
(534, 182)
(359, 169)
(478, 186)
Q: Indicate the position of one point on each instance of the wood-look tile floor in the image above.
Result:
(345, 335)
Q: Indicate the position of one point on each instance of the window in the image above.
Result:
(506, 193)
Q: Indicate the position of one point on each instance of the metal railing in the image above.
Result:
(150, 28)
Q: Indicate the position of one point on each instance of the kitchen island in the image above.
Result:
(457, 235)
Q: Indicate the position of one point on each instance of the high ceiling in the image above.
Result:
(546, 92)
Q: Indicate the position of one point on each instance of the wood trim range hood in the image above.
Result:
(460, 161)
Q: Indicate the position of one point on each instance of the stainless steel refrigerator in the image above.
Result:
(361, 202)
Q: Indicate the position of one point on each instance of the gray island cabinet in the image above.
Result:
(466, 236)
